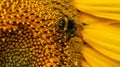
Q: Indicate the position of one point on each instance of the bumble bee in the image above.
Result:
(67, 25)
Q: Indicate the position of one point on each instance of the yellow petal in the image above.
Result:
(90, 19)
(103, 38)
(85, 64)
(101, 8)
(95, 59)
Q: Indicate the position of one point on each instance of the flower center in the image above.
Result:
(32, 35)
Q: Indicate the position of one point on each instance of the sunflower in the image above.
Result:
(59, 33)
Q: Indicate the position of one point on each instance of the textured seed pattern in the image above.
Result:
(30, 37)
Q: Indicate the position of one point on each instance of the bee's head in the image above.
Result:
(68, 26)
